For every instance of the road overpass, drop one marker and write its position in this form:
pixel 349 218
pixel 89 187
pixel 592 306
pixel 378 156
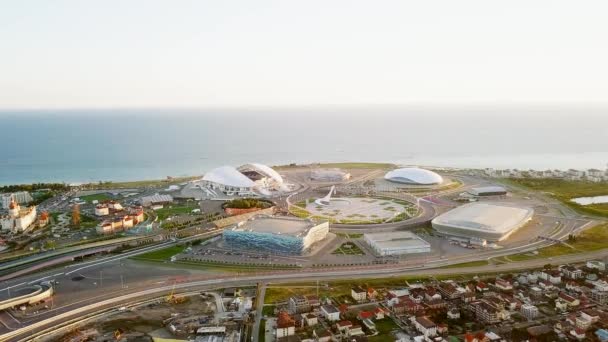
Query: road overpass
pixel 32 295
pixel 112 300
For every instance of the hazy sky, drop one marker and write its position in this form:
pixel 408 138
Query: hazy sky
pixel 145 53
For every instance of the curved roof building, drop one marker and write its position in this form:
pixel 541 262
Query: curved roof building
pixel 488 221
pixel 228 180
pixel 262 170
pixel 413 175
pixel 244 180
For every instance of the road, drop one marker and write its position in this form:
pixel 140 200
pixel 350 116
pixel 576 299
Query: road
pixel 117 299
pixel 259 307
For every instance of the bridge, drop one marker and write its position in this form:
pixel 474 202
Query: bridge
pixel 35 294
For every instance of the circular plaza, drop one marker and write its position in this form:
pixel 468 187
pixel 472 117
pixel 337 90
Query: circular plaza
pixel 356 210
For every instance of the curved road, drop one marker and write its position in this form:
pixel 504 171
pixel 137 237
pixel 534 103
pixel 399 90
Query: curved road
pixel 117 299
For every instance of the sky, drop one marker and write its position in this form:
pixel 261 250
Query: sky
pixel 229 53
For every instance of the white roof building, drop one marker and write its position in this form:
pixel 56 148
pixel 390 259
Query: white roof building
pixel 243 180
pixel 413 175
pixel 490 221
pixel 394 243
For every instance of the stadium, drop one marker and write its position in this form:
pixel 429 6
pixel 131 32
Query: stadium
pixel 396 243
pixel 329 175
pixel 413 176
pixel 482 221
pixel 280 235
pixel 246 180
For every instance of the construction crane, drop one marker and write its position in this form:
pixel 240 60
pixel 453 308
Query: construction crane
pixel 173 299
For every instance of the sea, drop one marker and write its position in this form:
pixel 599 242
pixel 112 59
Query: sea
pixel 76 146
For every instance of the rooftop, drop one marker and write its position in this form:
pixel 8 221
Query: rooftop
pixel 275 225
pixel 396 239
pixel 492 217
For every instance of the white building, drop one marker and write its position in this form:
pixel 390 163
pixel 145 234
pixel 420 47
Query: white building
pixel 358 293
pixel 330 312
pixel 395 243
pixel 21 197
pixel 413 176
pixel 425 326
pixel 529 311
pixel 156 199
pixel 18 220
pixel 246 180
pixel 488 221
pixel 102 210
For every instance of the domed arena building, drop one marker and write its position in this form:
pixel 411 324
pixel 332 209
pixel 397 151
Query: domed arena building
pixel 413 176
pixel 246 180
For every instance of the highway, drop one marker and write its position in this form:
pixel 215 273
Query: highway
pixel 118 299
pixel 112 281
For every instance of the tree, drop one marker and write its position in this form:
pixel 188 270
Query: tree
pixel 76 216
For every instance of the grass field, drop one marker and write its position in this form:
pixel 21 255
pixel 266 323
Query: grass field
pixel 96 197
pixel 348 248
pixel 592 239
pixel 565 191
pixel 176 209
pixel 350 235
pixel 346 165
pixel 262 332
pixel 142 183
pixel 359 165
pixel 468 264
pixel 162 255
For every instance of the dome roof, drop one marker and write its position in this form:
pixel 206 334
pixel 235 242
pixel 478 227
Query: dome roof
pixel 264 170
pixel 228 175
pixel 413 175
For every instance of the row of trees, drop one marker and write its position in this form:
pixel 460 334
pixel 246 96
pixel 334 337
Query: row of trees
pixel 247 203
pixel 34 187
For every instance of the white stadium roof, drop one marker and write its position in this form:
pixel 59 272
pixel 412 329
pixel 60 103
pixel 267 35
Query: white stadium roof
pixel 484 217
pixel 413 175
pixel 263 169
pixel 228 175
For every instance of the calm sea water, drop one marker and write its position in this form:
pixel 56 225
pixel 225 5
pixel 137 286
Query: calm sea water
pixel 89 145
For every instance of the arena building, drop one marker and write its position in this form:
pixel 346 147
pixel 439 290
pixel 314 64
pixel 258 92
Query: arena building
pixel 482 222
pixel 488 191
pixel 245 180
pixel 329 175
pixel 396 243
pixel 413 176
pixel 281 235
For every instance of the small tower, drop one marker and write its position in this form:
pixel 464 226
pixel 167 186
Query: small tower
pixel 14 209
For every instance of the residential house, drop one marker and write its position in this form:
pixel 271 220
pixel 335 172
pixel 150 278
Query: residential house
pixel 358 293
pixel 425 326
pixel 330 312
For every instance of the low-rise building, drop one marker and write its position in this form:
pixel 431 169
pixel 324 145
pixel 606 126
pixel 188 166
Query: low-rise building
pixel 18 220
pixel 330 312
pixel 425 326
pixel 358 293
pixel 286 325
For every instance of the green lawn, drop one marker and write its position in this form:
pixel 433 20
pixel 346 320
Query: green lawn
pixel 345 250
pixel 140 183
pixel 359 165
pixel 176 209
pixel 468 264
pixel 164 254
pixel 96 197
pixel 385 326
pixel 350 235
pixel 592 239
pixel 262 332
pixel 566 190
